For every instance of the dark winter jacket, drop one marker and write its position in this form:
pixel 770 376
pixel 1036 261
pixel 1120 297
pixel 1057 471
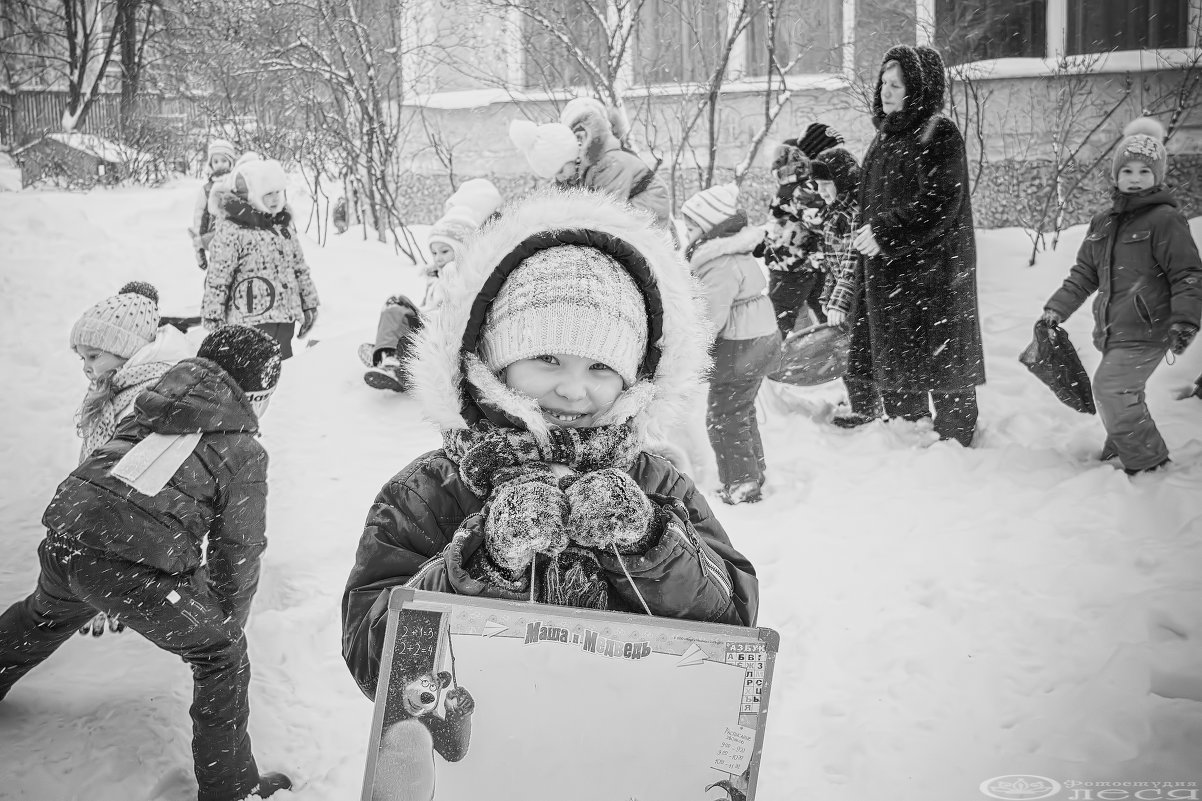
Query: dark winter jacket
pixel 920 292
pixel 734 282
pixel 691 571
pixel 257 271
pixel 220 490
pixel 1140 258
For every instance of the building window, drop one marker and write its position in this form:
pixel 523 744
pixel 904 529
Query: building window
pixel 679 41
pixel 1099 26
pixel 975 30
pixel 548 62
pixel 880 24
pixel 810 31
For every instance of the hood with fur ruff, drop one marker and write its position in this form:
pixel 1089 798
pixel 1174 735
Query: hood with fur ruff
pixel 453 386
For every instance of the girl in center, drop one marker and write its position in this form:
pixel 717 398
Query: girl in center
pixel 571 326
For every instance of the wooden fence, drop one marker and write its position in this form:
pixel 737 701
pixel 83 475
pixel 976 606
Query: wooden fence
pixel 28 115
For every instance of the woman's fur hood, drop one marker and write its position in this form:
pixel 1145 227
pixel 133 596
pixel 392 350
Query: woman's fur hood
pixel 925 78
pixel 448 383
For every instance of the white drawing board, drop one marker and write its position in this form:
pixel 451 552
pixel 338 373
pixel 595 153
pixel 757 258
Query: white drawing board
pixel 565 703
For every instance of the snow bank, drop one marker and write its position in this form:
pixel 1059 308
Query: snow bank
pixel 946 615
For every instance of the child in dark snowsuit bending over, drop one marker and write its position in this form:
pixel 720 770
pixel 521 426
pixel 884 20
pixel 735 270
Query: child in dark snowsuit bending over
pixel 128 541
pixel 1141 260
pixel 571 326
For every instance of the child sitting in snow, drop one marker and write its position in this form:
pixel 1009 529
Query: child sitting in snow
pixel 571 327
pixel 257 272
pixel 401 318
pixel 221 161
pixel 795 279
pixel 1141 259
pixel 128 540
pixel 124 350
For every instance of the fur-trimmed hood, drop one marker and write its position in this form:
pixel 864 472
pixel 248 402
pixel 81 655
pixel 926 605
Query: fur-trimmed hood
pixel 453 386
pixel 593 121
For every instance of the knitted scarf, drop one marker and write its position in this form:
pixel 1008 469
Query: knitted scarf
pixel 110 399
pixel 490 456
pixel 244 215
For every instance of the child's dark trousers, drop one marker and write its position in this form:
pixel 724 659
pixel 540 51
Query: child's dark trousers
pixel 171 611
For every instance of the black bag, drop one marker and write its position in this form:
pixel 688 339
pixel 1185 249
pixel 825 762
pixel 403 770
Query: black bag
pixel 1052 358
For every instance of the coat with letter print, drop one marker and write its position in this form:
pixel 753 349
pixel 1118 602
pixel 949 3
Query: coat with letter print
pixel 257 271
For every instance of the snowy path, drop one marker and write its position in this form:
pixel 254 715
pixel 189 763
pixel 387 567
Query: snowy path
pixel 946 615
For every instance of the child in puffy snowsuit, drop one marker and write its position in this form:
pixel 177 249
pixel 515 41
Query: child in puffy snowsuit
pixel 795 278
pixel 220 160
pixel 571 327
pixel 584 149
pixel 124 350
pixel 1140 258
pixel 257 272
pixel 137 553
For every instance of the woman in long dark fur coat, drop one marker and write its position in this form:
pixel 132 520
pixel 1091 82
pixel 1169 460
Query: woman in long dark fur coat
pixel 919 335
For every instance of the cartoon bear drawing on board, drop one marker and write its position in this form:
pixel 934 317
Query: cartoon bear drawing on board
pixel 405 768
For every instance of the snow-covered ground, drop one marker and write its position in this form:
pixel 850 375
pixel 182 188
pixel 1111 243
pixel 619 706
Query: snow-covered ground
pixel 945 615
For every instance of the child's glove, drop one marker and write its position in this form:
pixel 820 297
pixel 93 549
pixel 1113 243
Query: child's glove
pixel 212 324
pixel 96 625
pixel 525 518
pixel 607 508
pixel 308 323
pixel 458 703
pixel 1051 318
pixel 1180 335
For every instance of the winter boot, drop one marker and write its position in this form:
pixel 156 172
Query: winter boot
pixel 1153 469
pixel 743 492
pixel 386 375
pixel 367 354
pixel 270 782
pixel 844 417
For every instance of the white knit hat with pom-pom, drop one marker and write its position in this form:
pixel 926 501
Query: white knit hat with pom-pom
pixel 547 147
pixel 1143 140
pixel 122 324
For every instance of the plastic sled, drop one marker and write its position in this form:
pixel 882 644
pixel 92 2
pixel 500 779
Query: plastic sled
pixel 813 356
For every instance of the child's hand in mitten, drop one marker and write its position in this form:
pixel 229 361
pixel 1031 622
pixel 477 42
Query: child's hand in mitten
pixel 525 518
pixel 1180 335
pixel 607 508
